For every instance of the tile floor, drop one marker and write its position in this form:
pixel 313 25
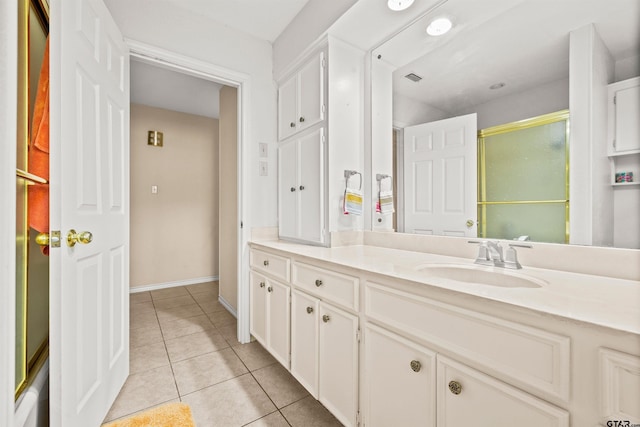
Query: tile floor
pixel 184 348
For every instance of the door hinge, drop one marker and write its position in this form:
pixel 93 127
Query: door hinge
pixel 324 63
pixel 614 143
pixel 615 99
pixel 241 224
pixel 323 108
pixel 358 419
pixel 358 335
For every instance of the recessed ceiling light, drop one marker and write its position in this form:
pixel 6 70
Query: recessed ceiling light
pixel 497 86
pixel 439 27
pixel 397 5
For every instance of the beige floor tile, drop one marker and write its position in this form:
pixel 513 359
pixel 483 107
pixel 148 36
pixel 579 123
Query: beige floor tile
pixel 106 420
pixel 206 296
pixel 188 326
pixel 144 336
pixel 272 420
pixel 221 318
pixel 254 356
pixel 142 307
pixel 147 357
pixel 309 412
pixel 232 403
pixel 280 385
pixel 174 302
pixel 203 287
pixel 144 390
pixel 196 344
pixel 177 291
pixel 177 313
pixel 206 370
pixel 230 333
pixel 138 297
pixel 211 306
pixel 143 320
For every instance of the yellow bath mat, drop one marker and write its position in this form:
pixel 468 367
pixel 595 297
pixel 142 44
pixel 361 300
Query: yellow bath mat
pixel 169 415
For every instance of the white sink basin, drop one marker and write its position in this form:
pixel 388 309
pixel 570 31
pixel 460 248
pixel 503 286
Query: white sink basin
pixel 492 276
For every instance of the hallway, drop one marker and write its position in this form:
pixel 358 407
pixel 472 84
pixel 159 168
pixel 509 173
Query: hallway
pixel 184 348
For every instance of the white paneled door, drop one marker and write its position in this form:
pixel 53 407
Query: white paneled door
pixel 440 175
pixel 89 341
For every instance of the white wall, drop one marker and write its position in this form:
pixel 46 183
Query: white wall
pixel 9 79
pixel 195 36
pixel 627 68
pixel 409 112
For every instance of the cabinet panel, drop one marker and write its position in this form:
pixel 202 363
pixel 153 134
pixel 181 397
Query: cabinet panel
pixel 311 93
pixel 527 356
pixel 330 285
pixel 310 186
pixel 287 115
pixel 338 363
pixel 288 189
pixel 627 123
pixel 257 302
pixel 304 340
pixel 620 386
pixel 278 300
pixel 273 265
pixel 485 401
pixel 400 381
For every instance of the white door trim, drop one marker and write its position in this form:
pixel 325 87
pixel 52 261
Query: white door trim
pixel 8 129
pixel 206 70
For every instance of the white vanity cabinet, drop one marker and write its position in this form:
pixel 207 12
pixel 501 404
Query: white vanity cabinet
pixel 269 303
pixel 301 187
pixel 324 340
pixel 301 97
pixel 399 380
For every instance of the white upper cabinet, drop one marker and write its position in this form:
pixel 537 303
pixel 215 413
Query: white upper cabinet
pixel 624 116
pixel 301 102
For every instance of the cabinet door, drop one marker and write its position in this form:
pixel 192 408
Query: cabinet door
pixel 288 189
pixel 278 297
pixel 627 125
pixel 468 397
pixel 311 92
pixel 400 381
pixel 287 114
pixel 304 340
pixel 338 363
pixel 257 303
pixel 310 187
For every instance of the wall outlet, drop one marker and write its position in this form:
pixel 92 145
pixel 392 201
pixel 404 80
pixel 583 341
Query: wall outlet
pixel 154 189
pixel 264 149
pixel 264 169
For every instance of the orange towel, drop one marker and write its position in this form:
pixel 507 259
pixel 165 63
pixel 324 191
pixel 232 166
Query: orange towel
pixel 38 210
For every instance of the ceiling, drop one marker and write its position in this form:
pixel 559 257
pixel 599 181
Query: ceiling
pixel 523 43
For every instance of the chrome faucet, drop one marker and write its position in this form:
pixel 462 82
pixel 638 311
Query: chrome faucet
pixel 491 253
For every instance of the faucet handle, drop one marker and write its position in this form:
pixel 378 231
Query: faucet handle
pixel 511 256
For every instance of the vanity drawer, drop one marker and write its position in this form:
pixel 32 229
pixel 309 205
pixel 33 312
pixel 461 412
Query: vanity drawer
pixel 328 285
pixel 529 357
pixel 274 265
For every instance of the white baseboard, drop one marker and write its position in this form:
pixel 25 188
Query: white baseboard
pixel 156 286
pixel 228 306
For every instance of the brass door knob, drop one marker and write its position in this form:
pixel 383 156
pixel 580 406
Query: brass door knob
pixel 309 310
pixel 49 239
pixel 74 237
pixel 455 387
pixel 415 365
pixel 318 283
pixel 326 318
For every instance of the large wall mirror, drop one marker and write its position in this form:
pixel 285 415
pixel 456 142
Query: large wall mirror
pixel 501 127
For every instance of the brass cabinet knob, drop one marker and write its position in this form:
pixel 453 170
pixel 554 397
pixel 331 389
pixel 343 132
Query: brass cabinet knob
pixel 301 119
pixel 293 189
pixel 415 365
pixel 74 237
pixel 326 318
pixel 455 387
pixel 269 289
pixel 292 124
pixel 266 263
pixel 262 284
pixel 469 223
pixel 309 310
pixel 301 187
pixel 318 283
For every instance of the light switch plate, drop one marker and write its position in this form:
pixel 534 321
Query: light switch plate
pixel 264 149
pixel 264 169
pixel 154 189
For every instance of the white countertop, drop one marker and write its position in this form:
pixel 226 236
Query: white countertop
pixel 598 300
